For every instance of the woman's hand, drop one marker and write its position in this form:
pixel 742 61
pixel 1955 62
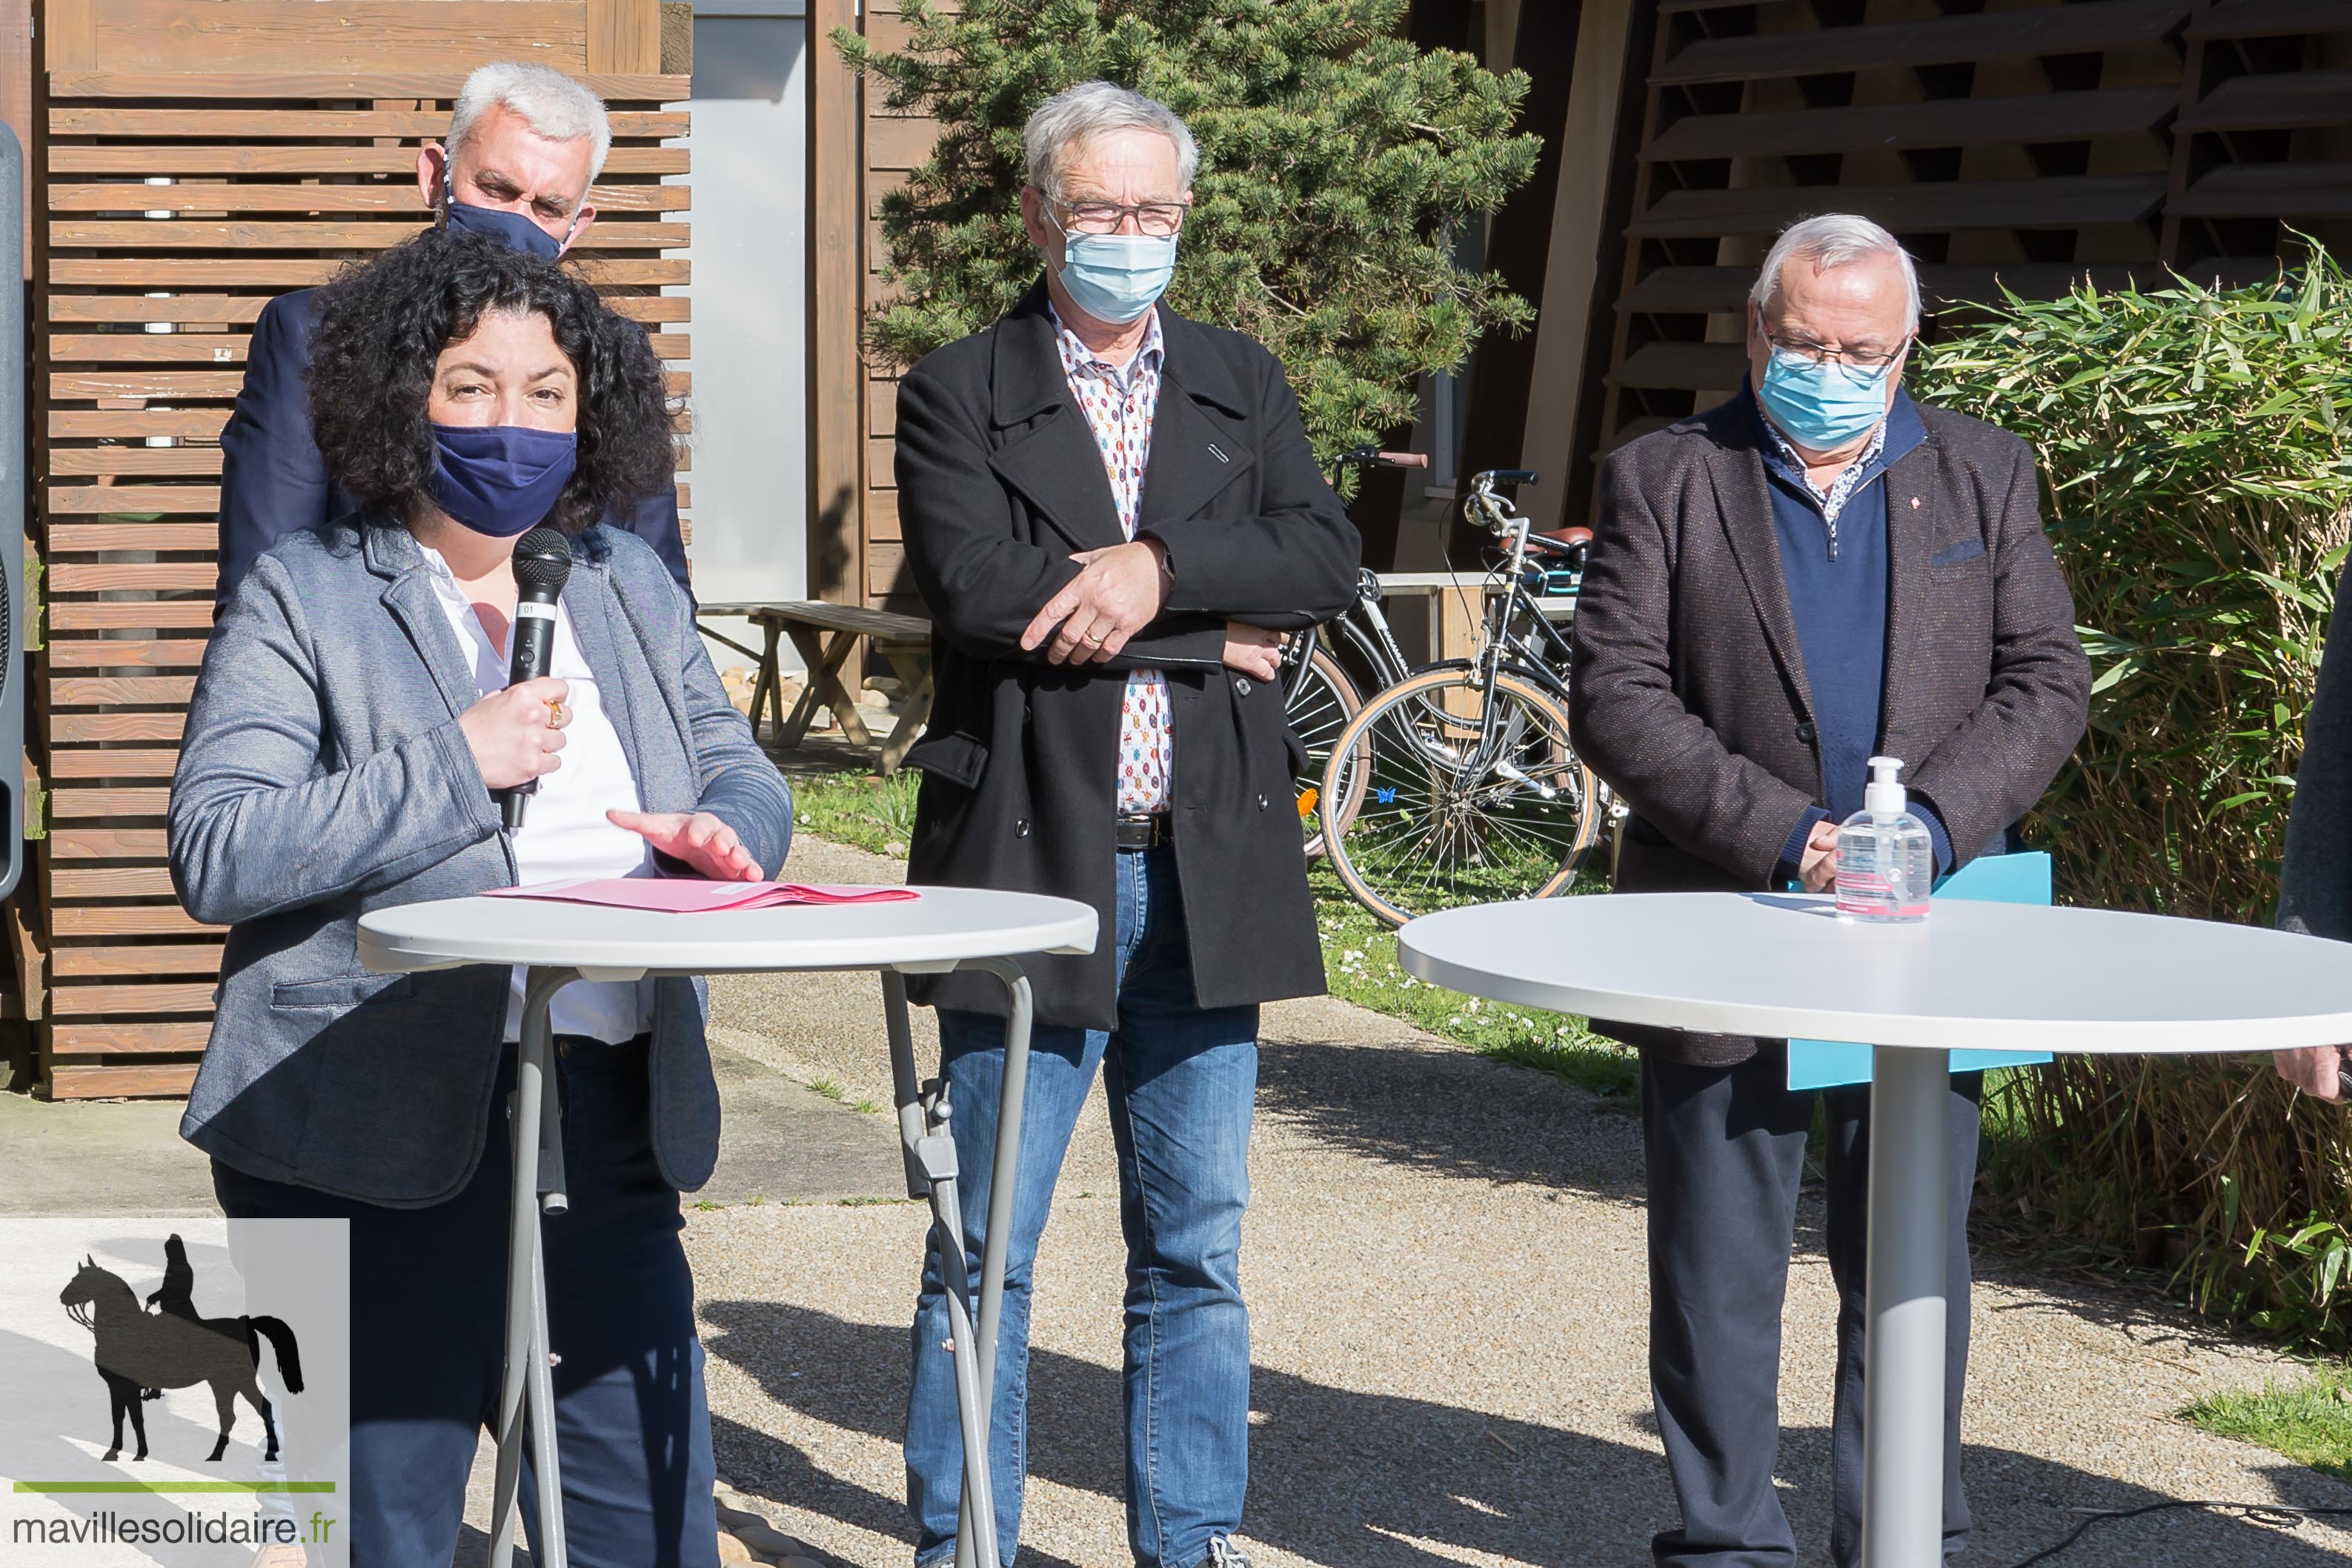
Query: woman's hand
pixel 2318 1071
pixel 701 840
pixel 516 734
pixel 1253 650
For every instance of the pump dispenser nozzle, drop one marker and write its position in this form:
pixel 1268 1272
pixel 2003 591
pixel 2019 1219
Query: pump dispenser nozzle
pixel 1884 795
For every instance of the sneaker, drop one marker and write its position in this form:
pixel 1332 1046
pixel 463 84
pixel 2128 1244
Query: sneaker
pixel 1223 1553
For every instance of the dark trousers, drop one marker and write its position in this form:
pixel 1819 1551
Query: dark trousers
pixel 1725 1151
pixel 429 1308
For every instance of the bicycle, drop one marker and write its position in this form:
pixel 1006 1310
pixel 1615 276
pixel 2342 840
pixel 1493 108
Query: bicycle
pixel 1320 694
pixel 1460 781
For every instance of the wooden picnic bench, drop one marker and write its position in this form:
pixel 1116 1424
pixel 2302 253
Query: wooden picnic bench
pixel 904 640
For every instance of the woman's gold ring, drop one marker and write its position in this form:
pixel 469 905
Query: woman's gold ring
pixel 555 714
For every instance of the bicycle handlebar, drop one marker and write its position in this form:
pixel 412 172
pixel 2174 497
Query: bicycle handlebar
pixel 1373 457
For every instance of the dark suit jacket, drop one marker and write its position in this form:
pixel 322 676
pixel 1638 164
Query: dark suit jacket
pixel 1689 692
pixel 2315 879
pixel 1000 483
pixel 273 481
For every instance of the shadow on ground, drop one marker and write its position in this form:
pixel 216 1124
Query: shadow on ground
pixel 1367 1481
pixel 1449 1111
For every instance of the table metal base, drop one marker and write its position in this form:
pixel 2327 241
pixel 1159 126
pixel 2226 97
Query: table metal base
pixel 926 1136
pixel 928 1143
pixel 1903 1377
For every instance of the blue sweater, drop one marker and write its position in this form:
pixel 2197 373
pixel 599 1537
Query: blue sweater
pixel 1837 584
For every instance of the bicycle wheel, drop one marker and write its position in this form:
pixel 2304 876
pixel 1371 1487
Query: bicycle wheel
pixel 1447 817
pixel 1320 707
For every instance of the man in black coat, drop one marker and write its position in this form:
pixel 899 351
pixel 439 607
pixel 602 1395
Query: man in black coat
pixel 1780 587
pixel 1113 514
pixel 525 143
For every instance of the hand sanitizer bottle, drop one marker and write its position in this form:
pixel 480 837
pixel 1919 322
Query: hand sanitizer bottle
pixel 1885 860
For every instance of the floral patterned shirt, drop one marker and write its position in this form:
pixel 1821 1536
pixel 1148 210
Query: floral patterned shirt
pixel 1119 402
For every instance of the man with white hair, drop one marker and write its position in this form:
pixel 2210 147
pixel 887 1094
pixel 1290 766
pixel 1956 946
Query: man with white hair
pixel 525 145
pixel 1113 514
pixel 1815 573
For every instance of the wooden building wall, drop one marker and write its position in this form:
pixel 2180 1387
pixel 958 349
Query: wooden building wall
pixel 859 152
pixel 192 158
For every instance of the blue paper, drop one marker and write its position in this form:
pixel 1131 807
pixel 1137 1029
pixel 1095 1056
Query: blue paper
pixel 1990 879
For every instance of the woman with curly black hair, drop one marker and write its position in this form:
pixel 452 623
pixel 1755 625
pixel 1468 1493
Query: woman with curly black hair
pixel 350 724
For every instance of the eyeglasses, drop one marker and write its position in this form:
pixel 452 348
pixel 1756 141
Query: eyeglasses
pixel 1816 354
pixel 1158 219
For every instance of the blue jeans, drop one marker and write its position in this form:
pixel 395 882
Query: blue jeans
pixel 1182 1082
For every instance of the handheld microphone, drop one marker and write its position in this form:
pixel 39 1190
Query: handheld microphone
pixel 542 561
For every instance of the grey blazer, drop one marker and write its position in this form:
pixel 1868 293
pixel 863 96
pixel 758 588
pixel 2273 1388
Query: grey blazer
pixel 324 774
pixel 1688 691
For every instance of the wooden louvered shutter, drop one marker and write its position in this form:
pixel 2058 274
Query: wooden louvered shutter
pixel 2024 145
pixel 2265 140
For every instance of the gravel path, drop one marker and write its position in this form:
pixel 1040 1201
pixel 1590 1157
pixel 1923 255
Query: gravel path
pixel 1444 1264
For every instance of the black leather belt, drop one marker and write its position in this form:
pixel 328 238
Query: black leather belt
pixel 1141 832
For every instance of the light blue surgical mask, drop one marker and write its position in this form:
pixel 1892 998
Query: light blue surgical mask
pixel 1822 407
pixel 1115 278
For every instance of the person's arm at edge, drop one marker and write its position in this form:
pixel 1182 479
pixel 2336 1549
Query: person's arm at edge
pixel 655 520
pixel 273 480
pixel 2315 876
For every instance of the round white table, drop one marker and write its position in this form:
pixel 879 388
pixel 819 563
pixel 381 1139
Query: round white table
pixel 2005 976
pixel 941 930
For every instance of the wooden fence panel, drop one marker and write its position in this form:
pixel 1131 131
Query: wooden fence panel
pixel 169 205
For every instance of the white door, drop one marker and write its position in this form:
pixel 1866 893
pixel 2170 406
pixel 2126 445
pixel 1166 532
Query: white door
pixel 749 175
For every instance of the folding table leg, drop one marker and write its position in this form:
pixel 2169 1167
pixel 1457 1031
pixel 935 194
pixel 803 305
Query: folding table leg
pixel 1903 1373
pixel 537 1132
pixel 925 1132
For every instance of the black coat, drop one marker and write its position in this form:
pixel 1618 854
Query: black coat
pixel 1688 693
pixel 1000 483
pixel 273 480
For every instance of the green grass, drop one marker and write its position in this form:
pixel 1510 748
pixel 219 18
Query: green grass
pixel 1360 964
pixel 2309 1422
pixel 1359 952
pixel 861 810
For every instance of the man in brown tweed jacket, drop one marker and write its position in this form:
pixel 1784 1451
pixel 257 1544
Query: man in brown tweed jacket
pixel 1814 573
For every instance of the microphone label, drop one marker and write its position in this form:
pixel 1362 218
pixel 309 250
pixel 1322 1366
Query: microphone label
pixel 529 610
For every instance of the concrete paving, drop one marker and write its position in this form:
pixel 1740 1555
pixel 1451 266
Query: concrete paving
pixel 780 1142
pixel 1445 1260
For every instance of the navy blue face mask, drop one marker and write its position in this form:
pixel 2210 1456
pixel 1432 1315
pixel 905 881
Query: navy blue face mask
pixel 513 230
pixel 500 480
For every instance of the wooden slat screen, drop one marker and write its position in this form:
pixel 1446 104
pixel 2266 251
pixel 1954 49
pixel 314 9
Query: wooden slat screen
pixel 2028 146
pixel 169 209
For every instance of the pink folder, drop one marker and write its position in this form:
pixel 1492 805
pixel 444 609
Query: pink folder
pixel 682 895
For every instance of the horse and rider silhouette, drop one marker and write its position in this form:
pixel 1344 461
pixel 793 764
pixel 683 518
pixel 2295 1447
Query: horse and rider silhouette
pixel 175 1347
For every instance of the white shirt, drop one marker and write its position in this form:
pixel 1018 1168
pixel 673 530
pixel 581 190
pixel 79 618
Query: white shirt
pixel 563 832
